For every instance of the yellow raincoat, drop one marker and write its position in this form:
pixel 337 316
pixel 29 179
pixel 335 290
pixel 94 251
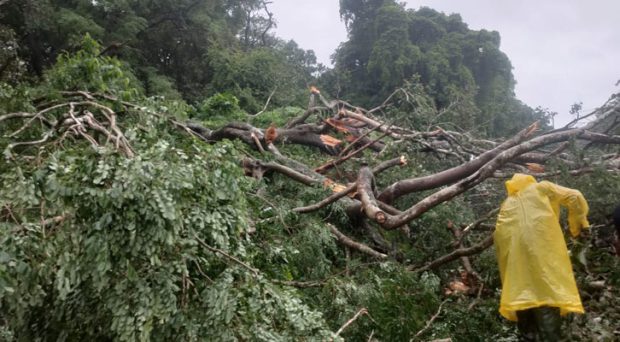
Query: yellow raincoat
pixel 534 265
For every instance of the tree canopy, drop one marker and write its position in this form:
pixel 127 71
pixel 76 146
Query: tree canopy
pixel 462 69
pixel 189 49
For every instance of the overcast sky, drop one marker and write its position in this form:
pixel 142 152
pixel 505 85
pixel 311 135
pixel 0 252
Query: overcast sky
pixel 562 51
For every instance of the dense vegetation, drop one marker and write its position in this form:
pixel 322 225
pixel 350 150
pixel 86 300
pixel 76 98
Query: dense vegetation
pixel 176 49
pixel 126 212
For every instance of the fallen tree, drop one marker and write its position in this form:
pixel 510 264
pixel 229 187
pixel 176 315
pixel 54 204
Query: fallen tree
pixel 363 165
pixel 345 134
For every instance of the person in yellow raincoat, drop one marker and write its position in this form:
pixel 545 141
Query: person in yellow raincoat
pixel 538 284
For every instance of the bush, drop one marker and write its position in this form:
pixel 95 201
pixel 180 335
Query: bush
pixel 220 104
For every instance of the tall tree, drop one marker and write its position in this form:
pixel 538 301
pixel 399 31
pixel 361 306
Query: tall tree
pixel 388 45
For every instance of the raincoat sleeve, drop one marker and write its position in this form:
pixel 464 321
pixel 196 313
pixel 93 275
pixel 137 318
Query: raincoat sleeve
pixel 573 200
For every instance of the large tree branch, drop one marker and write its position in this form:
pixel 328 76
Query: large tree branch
pixel 351 188
pixel 394 221
pixel 369 203
pixel 307 135
pixel 454 174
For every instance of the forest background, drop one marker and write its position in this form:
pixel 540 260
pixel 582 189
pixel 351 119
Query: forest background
pixel 157 160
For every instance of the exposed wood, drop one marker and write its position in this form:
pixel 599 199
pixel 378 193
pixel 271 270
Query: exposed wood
pixel 369 203
pixel 328 140
pixel 335 162
pixel 352 138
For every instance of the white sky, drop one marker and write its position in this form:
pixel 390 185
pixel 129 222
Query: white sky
pixel 562 51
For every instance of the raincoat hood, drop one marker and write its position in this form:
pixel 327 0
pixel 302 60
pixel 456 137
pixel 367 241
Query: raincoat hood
pixel 519 182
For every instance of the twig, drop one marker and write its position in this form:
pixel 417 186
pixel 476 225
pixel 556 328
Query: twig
pixel 201 272
pixel 331 199
pixel 471 306
pixel 322 282
pixel 577 172
pixel 34 142
pixel 386 101
pixel 400 161
pixel 475 249
pixel 258 168
pixel 300 284
pixel 478 222
pixel 10 212
pixel 16 115
pixel 374 123
pixel 301 119
pixel 358 139
pixel 351 188
pixel 226 255
pixel 362 311
pixel 345 240
pixel 76 124
pixel 341 160
pixel 274 208
pixel 53 220
pixel 581 118
pixel 403 187
pixel 266 104
pixel 430 321
pixel 257 142
pixel 37 115
pixel 458 239
pixel 482 174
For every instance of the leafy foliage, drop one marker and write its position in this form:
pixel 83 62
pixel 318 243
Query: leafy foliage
pixel 87 70
pixel 219 104
pixel 96 245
